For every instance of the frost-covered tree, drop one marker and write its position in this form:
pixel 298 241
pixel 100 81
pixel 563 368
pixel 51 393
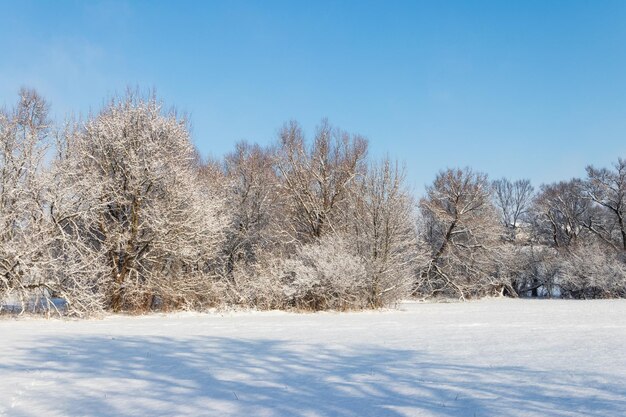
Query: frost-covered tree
pixel 384 231
pixel 607 188
pixel 316 178
pixel 24 239
pixel 590 271
pixel 325 274
pixel 461 231
pixel 256 204
pixel 513 200
pixel 133 214
pixel 572 217
pixel 560 211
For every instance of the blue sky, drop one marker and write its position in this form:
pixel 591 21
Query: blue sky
pixel 523 89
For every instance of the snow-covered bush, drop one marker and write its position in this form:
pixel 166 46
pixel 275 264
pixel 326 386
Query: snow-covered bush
pixel 325 275
pixel 592 272
pixel 256 285
pixel 321 275
pixel 533 270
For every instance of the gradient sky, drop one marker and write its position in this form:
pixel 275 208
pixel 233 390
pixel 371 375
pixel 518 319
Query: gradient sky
pixel 524 89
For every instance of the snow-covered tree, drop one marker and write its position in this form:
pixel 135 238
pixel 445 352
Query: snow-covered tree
pixel 560 212
pixel 24 240
pixel 461 231
pixel 132 213
pixel 590 271
pixel 384 232
pixel 256 204
pixel 325 274
pixel 316 179
pixel 513 200
pixel 607 189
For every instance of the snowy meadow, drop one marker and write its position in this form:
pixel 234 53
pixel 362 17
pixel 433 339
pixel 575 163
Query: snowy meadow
pixel 329 209
pixel 494 357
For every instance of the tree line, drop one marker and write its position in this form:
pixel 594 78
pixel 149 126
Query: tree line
pixel 119 213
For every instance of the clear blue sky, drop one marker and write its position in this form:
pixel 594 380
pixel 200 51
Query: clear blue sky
pixel 532 89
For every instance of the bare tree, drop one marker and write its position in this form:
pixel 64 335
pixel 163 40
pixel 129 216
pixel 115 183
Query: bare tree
pixel 255 238
pixel 256 202
pixel 23 239
pixel 560 213
pixel 384 232
pixel 607 188
pixel 461 231
pixel 533 269
pixel 567 218
pixel 513 200
pixel 317 178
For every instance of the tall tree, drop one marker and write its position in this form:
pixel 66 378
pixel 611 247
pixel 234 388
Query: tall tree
pixel 461 231
pixel 255 201
pixel 384 231
pixel 23 239
pixel 317 177
pixel 607 188
pixel 134 204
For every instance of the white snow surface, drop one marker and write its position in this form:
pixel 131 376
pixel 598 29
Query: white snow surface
pixel 495 357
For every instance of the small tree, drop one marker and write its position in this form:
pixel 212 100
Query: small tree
pixel 325 274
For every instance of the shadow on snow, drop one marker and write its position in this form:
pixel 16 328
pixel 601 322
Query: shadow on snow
pixel 152 376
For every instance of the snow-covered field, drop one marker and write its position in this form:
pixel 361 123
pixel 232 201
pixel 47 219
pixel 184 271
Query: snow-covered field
pixel 489 358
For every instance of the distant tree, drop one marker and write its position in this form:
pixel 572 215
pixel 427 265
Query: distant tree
pixel 569 217
pixel 560 211
pixel 534 269
pixel 607 188
pixel 590 271
pixel 513 200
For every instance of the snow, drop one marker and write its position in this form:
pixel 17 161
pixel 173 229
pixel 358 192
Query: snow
pixel 495 357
